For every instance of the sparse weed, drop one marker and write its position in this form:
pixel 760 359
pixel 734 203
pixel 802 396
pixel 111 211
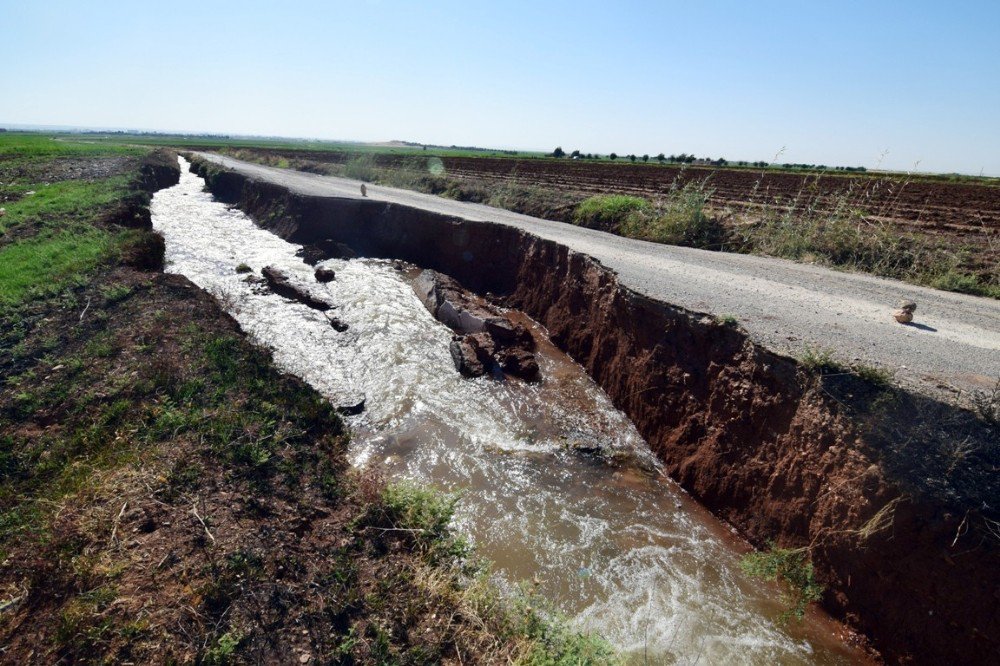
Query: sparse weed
pixel 792 567
pixel 361 167
pixel 116 293
pixel 987 404
pixel 224 650
pixel 821 361
pixel 844 230
pixel 881 377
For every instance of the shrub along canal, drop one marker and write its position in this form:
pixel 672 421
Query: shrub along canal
pixel 557 487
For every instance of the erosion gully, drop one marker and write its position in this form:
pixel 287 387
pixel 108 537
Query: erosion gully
pixel 611 542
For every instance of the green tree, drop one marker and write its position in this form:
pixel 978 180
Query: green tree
pixel 558 152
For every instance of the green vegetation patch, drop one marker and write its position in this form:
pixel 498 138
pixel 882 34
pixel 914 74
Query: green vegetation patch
pixel 46 265
pixel 679 218
pixel 792 567
pixel 16 145
pixel 609 211
pixel 63 204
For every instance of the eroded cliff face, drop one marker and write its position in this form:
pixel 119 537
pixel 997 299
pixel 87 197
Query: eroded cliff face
pixel 897 523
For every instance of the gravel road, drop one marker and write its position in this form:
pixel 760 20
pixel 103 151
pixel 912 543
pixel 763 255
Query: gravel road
pixel 952 346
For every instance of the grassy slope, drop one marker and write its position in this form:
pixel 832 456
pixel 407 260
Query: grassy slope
pixel 167 495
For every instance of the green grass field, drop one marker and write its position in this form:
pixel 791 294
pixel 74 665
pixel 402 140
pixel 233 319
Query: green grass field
pixel 30 145
pixel 49 236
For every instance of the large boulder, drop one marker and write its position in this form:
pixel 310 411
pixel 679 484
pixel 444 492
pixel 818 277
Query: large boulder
pixel 509 334
pixel 335 250
pixel 487 339
pixel 311 254
pixel 451 304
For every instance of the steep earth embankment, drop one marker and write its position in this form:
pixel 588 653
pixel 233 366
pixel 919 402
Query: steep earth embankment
pixel 890 491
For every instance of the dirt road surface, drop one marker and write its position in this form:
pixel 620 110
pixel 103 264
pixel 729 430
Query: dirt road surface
pixel 952 346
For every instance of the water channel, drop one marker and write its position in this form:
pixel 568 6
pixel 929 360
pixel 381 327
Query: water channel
pixel 617 546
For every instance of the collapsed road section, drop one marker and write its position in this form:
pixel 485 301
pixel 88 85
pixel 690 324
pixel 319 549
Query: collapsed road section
pixel 889 491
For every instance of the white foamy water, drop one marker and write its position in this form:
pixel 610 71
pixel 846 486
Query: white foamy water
pixel 618 548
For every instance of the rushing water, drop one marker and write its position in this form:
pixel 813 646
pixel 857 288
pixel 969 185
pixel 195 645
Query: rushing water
pixel 618 548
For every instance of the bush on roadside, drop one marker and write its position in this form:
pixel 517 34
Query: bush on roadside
pixel 609 212
pixel 678 219
pixel 361 167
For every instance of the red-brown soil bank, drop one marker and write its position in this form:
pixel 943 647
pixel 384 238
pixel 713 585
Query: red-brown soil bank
pixel 892 492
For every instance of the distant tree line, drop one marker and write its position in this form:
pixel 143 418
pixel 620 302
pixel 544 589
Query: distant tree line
pixel 684 158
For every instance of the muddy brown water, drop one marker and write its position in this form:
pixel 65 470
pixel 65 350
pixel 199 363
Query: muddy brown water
pixel 614 544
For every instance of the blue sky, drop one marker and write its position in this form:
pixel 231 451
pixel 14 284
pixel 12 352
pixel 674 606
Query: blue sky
pixel 832 82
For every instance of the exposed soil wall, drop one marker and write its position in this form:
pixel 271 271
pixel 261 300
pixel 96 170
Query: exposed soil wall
pixel 897 518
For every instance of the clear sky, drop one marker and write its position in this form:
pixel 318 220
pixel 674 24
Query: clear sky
pixel 831 82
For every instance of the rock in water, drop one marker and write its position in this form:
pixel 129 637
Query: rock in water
pixel 325 275
pixel 323 249
pixel 487 339
pixel 582 442
pixel 334 250
pixel 519 362
pixel 352 405
pixel 508 334
pixel 467 362
pixel 282 285
pixel 311 254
